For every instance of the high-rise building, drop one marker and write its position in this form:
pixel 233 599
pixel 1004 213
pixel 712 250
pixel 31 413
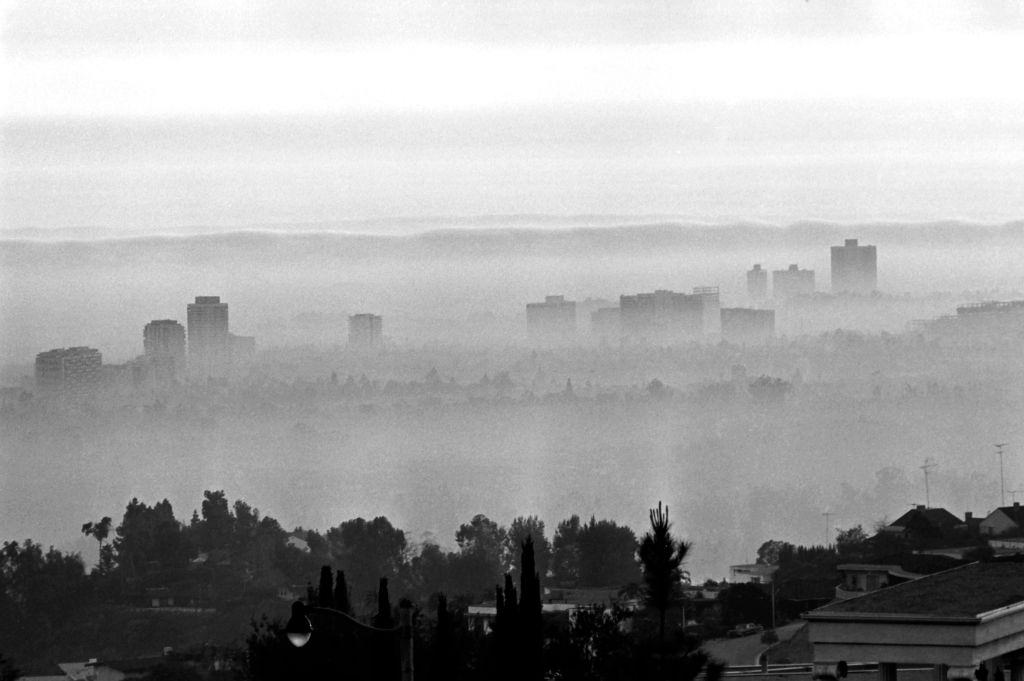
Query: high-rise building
pixel 711 306
pixel 757 283
pixel 365 332
pixel 854 268
pixel 73 371
pixel 792 282
pixel 552 320
pixel 163 341
pixel 747 326
pixel 209 343
pixel 662 316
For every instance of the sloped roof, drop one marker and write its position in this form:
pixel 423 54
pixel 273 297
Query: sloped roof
pixel 966 591
pixel 1014 513
pixel 937 517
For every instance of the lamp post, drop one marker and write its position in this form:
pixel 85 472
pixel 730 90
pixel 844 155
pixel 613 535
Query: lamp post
pixel 300 629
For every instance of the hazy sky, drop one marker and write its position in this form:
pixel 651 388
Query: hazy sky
pixel 777 110
pixel 160 57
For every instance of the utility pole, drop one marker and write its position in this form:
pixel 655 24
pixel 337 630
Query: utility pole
pixel 929 464
pixel 1002 484
pixel 828 527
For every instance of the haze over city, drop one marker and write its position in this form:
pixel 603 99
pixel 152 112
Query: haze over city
pixel 761 262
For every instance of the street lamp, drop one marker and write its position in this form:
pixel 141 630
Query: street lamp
pixel 300 630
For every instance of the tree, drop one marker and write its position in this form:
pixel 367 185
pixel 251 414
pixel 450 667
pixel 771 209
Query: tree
pixel 482 556
pixel 661 556
pixel 518 532
pixel 383 618
pixel 100 531
pixel 852 544
pixel 341 598
pixel 531 623
pixel 596 553
pixel 769 552
pixel 367 550
pixel 325 593
pixel 565 553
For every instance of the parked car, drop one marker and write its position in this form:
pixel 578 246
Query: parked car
pixel 746 629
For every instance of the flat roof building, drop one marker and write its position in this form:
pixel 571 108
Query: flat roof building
pixel 209 345
pixel 163 342
pixel 757 283
pixel 552 320
pixel 854 268
pixel 365 331
pixel 792 282
pixel 663 316
pixel 73 371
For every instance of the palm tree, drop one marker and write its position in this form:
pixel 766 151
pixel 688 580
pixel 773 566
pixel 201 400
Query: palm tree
pixel 661 558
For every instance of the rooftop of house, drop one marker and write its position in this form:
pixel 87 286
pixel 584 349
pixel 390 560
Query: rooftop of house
pixel 966 591
pixel 1014 513
pixel 938 517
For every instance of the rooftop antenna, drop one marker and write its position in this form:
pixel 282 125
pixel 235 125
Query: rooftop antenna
pixel 929 464
pixel 1013 494
pixel 828 527
pixel 1002 484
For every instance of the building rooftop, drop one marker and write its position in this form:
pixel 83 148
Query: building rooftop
pixel 967 591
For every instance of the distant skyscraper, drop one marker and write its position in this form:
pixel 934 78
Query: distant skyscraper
pixel 854 268
pixel 664 316
pixel 209 344
pixel 68 370
pixel 552 320
pixel 365 332
pixel 757 283
pixel 163 341
pixel 711 306
pixel 792 282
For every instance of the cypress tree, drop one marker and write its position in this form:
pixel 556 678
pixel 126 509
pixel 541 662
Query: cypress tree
pixel 531 622
pixel 326 593
pixel 383 618
pixel 341 599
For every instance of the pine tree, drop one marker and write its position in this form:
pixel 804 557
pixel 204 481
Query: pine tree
pixel 326 591
pixel 531 623
pixel 661 556
pixel 383 618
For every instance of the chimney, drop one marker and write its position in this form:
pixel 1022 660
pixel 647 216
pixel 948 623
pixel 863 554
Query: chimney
pixel 920 507
pixel 851 242
pixel 968 517
pixel 1016 504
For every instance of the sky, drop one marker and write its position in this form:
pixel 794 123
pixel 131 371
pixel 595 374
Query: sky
pixel 166 57
pixel 882 78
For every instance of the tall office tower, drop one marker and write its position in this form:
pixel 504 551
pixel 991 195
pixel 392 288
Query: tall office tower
pixel 209 344
pixel 792 282
pixel 553 320
pixel 757 283
pixel 745 326
pixel 163 341
pixel 73 371
pixel 711 305
pixel 663 316
pixel 854 268
pixel 365 332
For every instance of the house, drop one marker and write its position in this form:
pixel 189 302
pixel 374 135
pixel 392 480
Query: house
pixel 859 578
pixel 755 573
pixel 922 522
pixel 958 621
pixel 1005 520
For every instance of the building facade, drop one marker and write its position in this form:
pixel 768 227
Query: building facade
pixel 792 282
pixel 662 316
pixel 757 283
pixel 163 342
pixel 365 332
pixel 209 343
pixel 552 320
pixel 854 268
pixel 70 371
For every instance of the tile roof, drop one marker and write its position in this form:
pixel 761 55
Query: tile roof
pixel 965 591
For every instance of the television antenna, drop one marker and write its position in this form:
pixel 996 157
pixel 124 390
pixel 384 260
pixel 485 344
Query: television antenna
pixel 929 464
pixel 1002 484
pixel 828 527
